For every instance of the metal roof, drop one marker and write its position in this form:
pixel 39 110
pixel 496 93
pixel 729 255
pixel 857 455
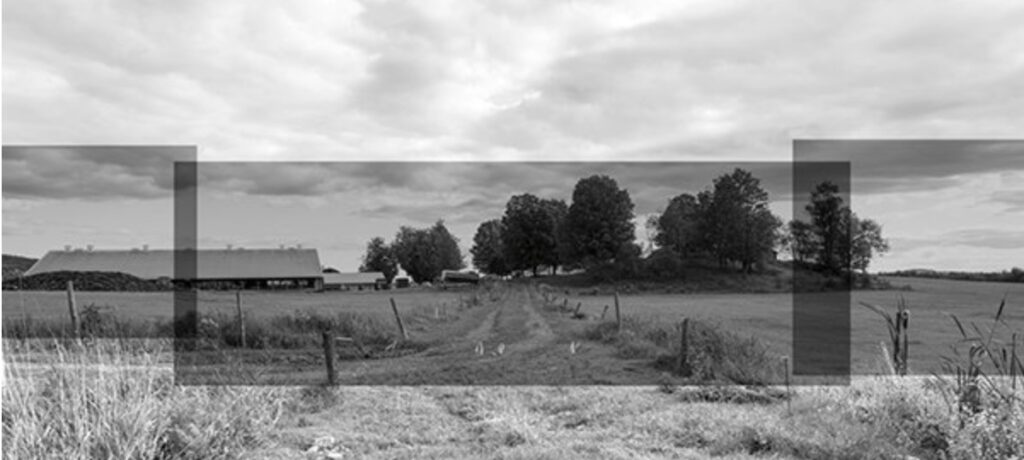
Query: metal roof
pixel 352 278
pixel 211 263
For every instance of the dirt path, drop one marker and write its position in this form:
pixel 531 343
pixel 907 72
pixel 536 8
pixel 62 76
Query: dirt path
pixel 514 339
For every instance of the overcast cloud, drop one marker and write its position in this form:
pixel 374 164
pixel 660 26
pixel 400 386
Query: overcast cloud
pixel 715 81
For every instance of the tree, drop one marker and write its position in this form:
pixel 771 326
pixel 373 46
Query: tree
pixel 447 246
pixel 599 222
pixel 530 232
pixel 677 229
pixel 735 220
pixel 425 253
pixel 380 257
pixel 866 241
pixel 556 210
pixel 489 249
pixel 839 240
pixel 827 220
pixel 801 241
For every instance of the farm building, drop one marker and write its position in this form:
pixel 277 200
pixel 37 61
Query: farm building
pixel 235 268
pixel 355 281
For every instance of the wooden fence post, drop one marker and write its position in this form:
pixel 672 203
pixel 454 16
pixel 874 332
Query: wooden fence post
pixel 897 345
pixel 241 318
pixel 618 313
pixel 329 356
pixel 789 394
pixel 683 365
pixel 76 326
pixel 906 342
pixel 398 319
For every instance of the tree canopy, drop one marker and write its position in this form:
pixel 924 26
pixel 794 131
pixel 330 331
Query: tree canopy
pixel 379 257
pixel 835 238
pixel 599 223
pixel 425 253
pixel 489 250
pixel 530 232
pixel 736 223
pixel 678 228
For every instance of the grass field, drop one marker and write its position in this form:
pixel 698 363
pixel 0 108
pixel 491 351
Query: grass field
pixel 769 316
pixel 160 305
pixel 765 316
pixel 105 400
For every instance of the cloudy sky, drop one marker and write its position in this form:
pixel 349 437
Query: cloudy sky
pixel 712 81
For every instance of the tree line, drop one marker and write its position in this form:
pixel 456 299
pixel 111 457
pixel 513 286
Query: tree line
pixel 1014 275
pixel 729 223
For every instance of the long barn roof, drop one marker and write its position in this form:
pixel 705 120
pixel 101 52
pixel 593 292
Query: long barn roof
pixel 211 263
pixel 353 278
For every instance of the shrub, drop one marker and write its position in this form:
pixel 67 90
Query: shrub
pixel 663 265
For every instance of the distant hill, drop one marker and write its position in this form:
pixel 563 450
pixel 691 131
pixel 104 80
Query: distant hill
pixel 1015 275
pixel 16 265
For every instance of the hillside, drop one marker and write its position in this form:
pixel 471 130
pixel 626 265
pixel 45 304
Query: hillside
pixel 16 265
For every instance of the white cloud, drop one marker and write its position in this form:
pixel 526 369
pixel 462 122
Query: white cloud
pixel 537 80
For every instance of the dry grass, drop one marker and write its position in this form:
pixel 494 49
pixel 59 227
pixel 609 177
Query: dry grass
pixel 98 402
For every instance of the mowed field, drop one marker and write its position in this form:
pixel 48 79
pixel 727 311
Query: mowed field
pixel 765 316
pixel 160 305
pixel 769 317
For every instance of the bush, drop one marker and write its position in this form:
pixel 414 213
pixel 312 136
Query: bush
pixel 663 265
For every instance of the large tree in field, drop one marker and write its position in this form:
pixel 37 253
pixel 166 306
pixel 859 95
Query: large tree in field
pixel 736 221
pixel 489 250
pixel 866 242
pixel 599 224
pixel 828 219
pixel 380 257
pixel 530 232
pixel 678 228
pixel 839 240
pixel 425 253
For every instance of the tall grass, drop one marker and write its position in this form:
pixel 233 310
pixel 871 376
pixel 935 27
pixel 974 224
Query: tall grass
pixel 218 329
pixel 714 354
pixel 983 378
pixel 98 402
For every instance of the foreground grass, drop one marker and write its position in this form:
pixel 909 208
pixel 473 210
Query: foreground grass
pixel 104 401
pixel 99 402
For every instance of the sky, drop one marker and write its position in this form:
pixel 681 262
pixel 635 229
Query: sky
pixel 303 83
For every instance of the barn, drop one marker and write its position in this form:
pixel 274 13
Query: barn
pixel 216 268
pixel 355 281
